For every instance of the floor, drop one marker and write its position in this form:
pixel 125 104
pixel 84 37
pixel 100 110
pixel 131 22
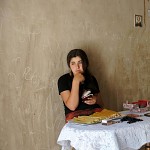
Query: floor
pixel 144 148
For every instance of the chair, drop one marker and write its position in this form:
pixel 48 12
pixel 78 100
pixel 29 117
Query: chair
pixel 147 146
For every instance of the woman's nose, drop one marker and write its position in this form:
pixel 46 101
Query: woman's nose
pixel 77 66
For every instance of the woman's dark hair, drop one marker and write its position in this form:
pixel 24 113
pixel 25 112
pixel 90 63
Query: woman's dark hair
pixel 81 54
pixel 85 64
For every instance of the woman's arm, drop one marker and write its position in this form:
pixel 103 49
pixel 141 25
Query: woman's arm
pixel 71 98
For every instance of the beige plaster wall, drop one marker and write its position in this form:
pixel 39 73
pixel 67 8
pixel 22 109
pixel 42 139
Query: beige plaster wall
pixel 35 37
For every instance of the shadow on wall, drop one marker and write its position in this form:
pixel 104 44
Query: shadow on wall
pixel 98 68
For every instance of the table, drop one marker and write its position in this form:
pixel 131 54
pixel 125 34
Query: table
pixel 119 136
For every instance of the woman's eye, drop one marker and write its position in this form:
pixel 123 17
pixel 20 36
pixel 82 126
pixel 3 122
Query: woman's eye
pixel 80 62
pixel 72 63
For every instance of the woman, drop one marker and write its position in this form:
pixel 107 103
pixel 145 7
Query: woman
pixel 73 85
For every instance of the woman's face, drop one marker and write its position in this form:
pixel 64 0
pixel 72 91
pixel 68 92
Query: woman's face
pixel 76 65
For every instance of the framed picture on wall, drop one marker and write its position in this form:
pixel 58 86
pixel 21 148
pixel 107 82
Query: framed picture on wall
pixel 138 21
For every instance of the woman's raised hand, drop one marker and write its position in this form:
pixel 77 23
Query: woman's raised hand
pixel 79 77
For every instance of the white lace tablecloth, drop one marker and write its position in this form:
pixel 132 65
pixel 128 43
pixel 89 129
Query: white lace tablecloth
pixel 120 136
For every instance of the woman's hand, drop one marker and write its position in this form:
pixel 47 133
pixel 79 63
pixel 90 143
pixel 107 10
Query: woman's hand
pixel 79 77
pixel 90 100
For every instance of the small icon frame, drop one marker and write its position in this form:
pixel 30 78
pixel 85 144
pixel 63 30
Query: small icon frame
pixel 138 21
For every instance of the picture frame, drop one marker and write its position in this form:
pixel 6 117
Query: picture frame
pixel 138 22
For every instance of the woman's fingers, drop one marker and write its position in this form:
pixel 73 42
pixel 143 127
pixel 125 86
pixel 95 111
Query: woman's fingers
pixel 90 101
